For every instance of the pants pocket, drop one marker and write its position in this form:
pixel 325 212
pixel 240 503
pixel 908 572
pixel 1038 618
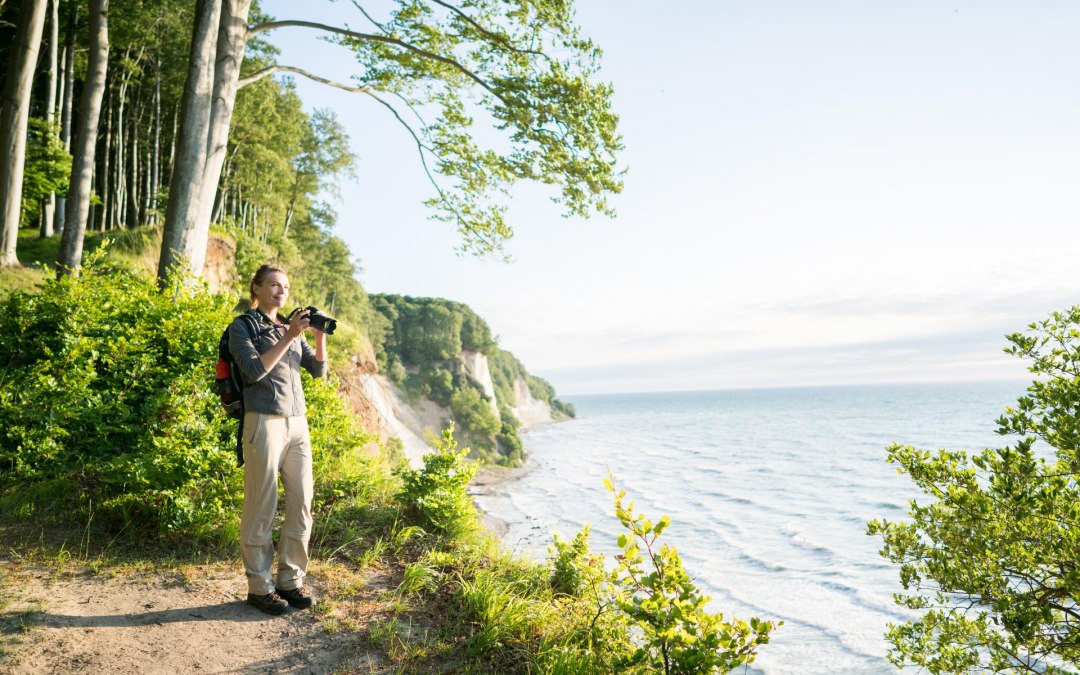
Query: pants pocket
pixel 253 431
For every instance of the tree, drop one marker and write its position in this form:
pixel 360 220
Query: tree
pixel 49 207
pixel 82 171
pixel 67 97
pixel 267 133
pixel 993 560
pixel 524 66
pixel 47 167
pixel 14 117
pixel 324 153
pixel 217 49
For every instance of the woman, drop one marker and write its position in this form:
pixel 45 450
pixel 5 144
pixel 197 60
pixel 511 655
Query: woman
pixel 269 352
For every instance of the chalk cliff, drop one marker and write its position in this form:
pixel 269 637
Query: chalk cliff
pixel 528 410
pixel 476 365
pixel 386 410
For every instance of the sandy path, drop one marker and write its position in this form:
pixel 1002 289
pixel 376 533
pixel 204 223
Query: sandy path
pixel 160 624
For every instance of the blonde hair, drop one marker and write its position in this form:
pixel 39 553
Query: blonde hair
pixel 260 278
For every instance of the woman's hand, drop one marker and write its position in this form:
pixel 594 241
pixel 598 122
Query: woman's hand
pixel 298 325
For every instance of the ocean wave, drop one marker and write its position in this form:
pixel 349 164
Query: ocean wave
pixel 854 640
pixel 800 539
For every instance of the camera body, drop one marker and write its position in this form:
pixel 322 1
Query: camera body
pixel 320 321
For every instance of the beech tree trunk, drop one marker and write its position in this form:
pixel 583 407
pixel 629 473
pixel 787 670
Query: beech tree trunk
pixel 103 173
pixel 217 49
pixel 67 86
pixel 82 170
pixel 154 173
pixel 131 209
pixel 49 206
pixel 13 122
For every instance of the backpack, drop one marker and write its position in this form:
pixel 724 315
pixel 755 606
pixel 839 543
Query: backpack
pixel 230 384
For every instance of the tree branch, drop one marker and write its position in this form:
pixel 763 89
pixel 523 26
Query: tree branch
pixel 421 147
pixel 501 39
pixel 368 16
pixel 270 70
pixel 271 25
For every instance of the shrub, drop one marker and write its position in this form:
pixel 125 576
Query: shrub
pixel 653 590
pixel 435 493
pixel 107 405
pixel 438 385
pixel 574 570
pixel 106 398
pixel 472 411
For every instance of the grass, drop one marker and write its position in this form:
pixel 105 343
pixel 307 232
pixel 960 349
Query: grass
pixel 129 248
pixel 427 601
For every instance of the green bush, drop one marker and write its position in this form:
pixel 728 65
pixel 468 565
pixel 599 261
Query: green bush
pixel 47 167
pixel 107 406
pixel 674 632
pixel 106 399
pixel 574 570
pixel 988 555
pixel 435 493
pixel 511 448
pixel 472 411
pixel 576 614
pixel 438 385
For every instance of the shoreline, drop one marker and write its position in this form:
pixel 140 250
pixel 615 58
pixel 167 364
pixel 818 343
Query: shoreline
pixel 488 482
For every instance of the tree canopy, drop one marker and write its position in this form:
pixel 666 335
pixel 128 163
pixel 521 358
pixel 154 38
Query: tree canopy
pixel 992 560
pixel 526 68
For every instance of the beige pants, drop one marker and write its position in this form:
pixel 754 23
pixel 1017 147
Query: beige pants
pixel 275 444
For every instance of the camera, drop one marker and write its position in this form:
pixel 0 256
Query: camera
pixel 317 319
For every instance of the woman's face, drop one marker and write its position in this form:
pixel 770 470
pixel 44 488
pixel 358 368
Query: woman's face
pixel 273 292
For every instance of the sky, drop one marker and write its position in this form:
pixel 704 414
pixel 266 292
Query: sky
pixel 817 193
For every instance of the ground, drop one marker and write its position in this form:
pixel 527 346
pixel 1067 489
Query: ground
pixel 187 619
pixel 65 609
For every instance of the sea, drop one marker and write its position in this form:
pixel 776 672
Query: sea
pixel 769 492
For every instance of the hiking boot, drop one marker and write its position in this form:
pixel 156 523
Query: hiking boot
pixel 271 603
pixel 297 597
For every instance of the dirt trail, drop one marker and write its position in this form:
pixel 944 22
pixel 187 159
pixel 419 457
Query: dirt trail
pixel 160 623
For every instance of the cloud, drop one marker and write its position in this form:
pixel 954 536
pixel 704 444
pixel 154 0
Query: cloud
pixel 858 338
pixel 973 355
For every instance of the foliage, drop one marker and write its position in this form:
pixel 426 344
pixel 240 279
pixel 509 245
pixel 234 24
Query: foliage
pixel 324 155
pixel 658 597
pixel 990 561
pixel 422 330
pixel 523 66
pixel 105 400
pixel 334 430
pixel 473 412
pixel 47 168
pixel 107 409
pixel 435 493
pixel 433 382
pixel 509 440
pixel 428 335
pixel 506 370
pixel 574 569
pixel 571 614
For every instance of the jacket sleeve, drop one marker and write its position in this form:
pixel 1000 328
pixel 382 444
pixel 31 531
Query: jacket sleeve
pixel 309 362
pixel 244 351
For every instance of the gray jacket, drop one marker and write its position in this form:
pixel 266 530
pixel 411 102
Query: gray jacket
pixel 277 391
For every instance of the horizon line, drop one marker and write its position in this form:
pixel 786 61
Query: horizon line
pixel 838 385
